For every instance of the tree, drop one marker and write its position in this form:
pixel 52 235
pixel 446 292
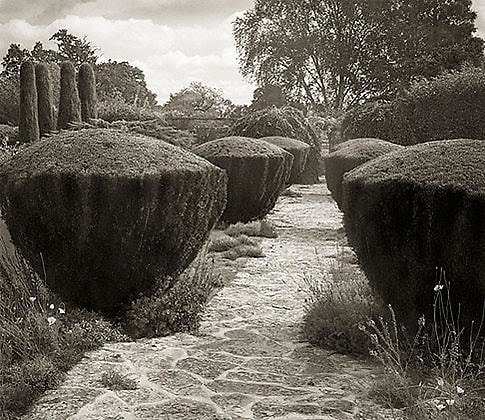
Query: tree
pixel 332 54
pixel 267 96
pixel 13 59
pixel 74 49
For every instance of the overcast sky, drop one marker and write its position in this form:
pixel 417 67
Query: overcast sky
pixel 174 42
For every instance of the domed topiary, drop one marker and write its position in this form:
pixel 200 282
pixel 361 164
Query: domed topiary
pixel 69 103
pixel 257 174
pixel 411 211
pixel 298 149
pixel 284 122
pixel 45 99
pixel 28 113
pixel 109 212
pixel 87 92
pixel 347 156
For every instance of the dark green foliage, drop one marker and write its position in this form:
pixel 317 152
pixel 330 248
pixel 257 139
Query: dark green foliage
pixel 45 99
pixel 86 83
pixel 446 107
pixel 28 117
pixel 8 134
pixel 284 122
pixel 69 103
pixel 348 156
pixel 298 149
pixel 411 211
pixel 110 212
pixel 257 174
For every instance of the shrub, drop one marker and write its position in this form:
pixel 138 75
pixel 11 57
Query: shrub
pixel 257 174
pixel 9 100
pixel 28 116
pixel 416 209
pixel 45 99
pixel 298 149
pixel 109 212
pixel 69 103
pixel 8 135
pixel 87 92
pixel 284 122
pixel 349 155
pixel 118 109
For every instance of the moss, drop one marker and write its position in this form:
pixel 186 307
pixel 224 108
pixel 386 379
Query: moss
pixel 109 211
pixel 28 114
pixel 412 211
pixel 348 156
pixel 257 174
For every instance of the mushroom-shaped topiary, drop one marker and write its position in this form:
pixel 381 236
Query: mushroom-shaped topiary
pixel 412 211
pixel 257 173
pixel 298 149
pixel 348 155
pixel 106 213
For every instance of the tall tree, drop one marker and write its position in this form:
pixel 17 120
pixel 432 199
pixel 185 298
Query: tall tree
pixel 332 54
pixel 74 49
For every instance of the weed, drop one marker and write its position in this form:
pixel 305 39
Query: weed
pixel 116 381
pixel 257 228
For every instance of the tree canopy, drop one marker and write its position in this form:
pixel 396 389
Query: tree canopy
pixel 332 54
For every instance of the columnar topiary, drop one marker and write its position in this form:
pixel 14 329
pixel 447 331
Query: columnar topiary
pixel 298 149
pixel 45 98
pixel 69 103
pixel 28 113
pixel 285 122
pixel 347 156
pixel 257 174
pixel 87 92
pixel 109 212
pixel 410 212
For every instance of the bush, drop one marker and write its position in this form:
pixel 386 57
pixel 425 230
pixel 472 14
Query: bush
pixel 9 100
pixel 28 114
pixel 416 209
pixel 447 107
pixel 348 156
pixel 109 212
pixel 87 92
pixel 284 122
pixel 69 103
pixel 45 99
pixel 298 149
pixel 257 174
pixel 118 109
pixel 8 134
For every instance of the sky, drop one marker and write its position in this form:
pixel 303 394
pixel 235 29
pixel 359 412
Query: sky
pixel 174 42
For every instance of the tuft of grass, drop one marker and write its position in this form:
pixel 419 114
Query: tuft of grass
pixel 251 251
pixel 116 381
pixel 260 228
pixel 225 242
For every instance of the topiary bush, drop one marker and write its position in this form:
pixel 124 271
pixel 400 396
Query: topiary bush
pixel 298 149
pixel 69 103
pixel 28 114
pixel 86 83
pixel 347 156
pixel 284 122
pixel 106 213
pixel 412 211
pixel 45 99
pixel 257 174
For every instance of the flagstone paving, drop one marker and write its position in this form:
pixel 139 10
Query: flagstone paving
pixel 248 360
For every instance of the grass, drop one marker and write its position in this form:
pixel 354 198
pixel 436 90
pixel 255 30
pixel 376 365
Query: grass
pixel 261 228
pixel 116 381
pixel 438 373
pixel 234 247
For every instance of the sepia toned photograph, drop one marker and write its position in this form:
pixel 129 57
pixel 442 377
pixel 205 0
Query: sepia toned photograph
pixel 242 209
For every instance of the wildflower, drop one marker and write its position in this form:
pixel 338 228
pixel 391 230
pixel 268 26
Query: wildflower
pixel 51 306
pixel 421 321
pixel 438 287
pixel 51 320
pixel 440 407
pixel 62 311
pixel 440 381
pixel 450 402
pixel 460 390
pixel 32 299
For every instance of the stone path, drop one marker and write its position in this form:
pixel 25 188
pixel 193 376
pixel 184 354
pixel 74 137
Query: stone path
pixel 249 360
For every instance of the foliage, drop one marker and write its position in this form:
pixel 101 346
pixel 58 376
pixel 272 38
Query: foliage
pixel 116 109
pixel 257 174
pixel 334 54
pixel 268 96
pixel 69 102
pixel 45 97
pixel 74 49
pixel 9 100
pixel 9 136
pixel 115 381
pixel 87 92
pixel 28 115
pixel 101 207
pixel 416 209
pixel 260 228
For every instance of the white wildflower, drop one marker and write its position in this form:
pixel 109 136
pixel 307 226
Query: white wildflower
pixel 51 320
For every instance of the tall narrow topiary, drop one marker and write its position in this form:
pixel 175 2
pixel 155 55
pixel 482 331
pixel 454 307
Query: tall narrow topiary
pixel 28 116
pixel 45 99
pixel 69 103
pixel 86 84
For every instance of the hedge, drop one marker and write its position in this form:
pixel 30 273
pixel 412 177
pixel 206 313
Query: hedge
pixel 110 212
pixel 86 84
pixel 408 212
pixel 298 149
pixel 347 156
pixel 28 113
pixel 45 98
pixel 69 102
pixel 257 174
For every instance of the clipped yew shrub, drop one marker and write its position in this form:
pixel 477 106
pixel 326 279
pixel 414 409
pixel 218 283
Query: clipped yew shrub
pixel 257 174
pixel 414 211
pixel 45 99
pixel 69 102
pixel 28 113
pixel 284 122
pixel 86 84
pixel 347 156
pixel 108 213
pixel 298 149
